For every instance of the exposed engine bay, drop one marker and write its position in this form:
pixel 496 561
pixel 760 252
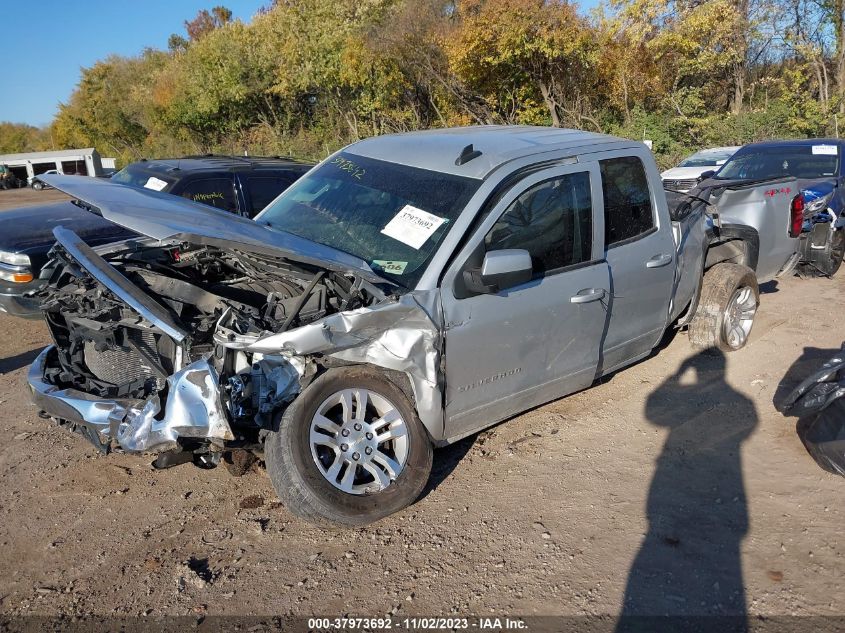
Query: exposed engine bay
pixel 151 331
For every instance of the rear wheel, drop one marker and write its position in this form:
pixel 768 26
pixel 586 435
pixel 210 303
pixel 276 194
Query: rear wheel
pixel 349 450
pixel 38 185
pixel 726 308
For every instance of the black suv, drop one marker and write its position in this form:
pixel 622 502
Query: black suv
pixel 241 185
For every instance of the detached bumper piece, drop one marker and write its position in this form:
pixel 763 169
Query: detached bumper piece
pixel 821 400
pixel 192 410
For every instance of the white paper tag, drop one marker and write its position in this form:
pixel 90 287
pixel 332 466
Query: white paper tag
pixel 828 150
pixel 412 226
pixel 155 183
pixel 395 268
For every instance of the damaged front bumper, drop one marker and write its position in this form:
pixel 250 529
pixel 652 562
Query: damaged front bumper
pixel 146 361
pixel 193 410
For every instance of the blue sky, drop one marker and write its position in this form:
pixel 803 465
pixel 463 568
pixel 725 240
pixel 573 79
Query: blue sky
pixel 47 43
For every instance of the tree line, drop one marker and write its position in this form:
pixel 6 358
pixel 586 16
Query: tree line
pixel 304 77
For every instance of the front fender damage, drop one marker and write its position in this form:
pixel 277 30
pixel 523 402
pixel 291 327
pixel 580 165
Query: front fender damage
pixel 396 335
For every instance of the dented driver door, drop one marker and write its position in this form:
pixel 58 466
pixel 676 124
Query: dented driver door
pixel 509 350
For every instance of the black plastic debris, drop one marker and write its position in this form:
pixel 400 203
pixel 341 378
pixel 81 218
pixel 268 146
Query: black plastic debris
pixel 820 402
pixel 825 438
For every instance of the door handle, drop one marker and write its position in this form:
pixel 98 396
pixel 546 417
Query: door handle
pixel 587 294
pixel 659 260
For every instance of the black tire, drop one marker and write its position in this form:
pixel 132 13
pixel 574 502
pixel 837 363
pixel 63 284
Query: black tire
pixel 306 492
pixel 719 287
pixel 824 262
pixel 38 185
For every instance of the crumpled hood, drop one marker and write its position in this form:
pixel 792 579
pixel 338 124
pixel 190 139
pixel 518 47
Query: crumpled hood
pixel 815 189
pixel 165 217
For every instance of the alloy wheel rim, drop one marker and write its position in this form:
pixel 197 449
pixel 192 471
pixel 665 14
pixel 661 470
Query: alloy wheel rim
pixel 359 441
pixel 739 317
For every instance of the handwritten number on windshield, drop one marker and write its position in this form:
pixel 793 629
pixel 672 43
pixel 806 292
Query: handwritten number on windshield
pixel 348 166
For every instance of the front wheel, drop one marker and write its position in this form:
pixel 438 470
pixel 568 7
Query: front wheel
pixel 350 450
pixel 38 185
pixel 726 309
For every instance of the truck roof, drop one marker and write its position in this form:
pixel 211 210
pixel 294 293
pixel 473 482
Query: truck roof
pixel 794 142
pixel 217 162
pixel 438 150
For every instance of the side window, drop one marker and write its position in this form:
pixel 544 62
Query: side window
pixel 627 200
pixel 215 192
pixel 264 189
pixel 552 220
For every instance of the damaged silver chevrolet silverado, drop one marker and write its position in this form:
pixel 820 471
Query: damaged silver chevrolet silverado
pixel 407 292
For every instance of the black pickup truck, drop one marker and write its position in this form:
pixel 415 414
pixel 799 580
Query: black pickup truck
pixel 239 185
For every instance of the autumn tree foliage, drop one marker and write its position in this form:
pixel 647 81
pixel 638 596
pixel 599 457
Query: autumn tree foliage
pixel 305 77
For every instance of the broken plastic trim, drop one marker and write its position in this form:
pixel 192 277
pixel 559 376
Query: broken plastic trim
pixel 193 410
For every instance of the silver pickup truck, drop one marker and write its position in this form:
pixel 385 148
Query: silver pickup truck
pixel 408 291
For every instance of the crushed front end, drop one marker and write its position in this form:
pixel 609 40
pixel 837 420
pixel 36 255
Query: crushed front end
pixel 138 361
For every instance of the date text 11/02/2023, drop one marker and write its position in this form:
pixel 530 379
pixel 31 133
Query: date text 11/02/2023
pixel 417 624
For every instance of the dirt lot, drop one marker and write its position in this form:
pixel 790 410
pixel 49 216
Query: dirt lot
pixel 673 487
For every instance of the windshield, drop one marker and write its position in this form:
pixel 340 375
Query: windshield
pixel 389 215
pixel 707 159
pixel 136 175
pixel 798 161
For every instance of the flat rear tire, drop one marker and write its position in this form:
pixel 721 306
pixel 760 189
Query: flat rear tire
pixel 726 309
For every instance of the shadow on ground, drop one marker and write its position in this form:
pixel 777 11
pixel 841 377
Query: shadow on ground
pixel 17 361
pixel 446 459
pixel 689 561
pixel 770 287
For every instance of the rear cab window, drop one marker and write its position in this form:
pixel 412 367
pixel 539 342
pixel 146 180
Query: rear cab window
pixel 628 211
pixel 264 188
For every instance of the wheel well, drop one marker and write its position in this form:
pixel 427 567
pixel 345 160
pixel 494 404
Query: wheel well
pixel 734 244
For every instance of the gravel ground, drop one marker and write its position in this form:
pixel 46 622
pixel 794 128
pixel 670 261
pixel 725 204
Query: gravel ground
pixel 672 487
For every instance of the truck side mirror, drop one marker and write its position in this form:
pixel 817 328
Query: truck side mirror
pixel 707 174
pixel 500 270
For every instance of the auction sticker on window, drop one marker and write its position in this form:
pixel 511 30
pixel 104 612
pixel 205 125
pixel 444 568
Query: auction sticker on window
pixel 155 183
pixel 396 268
pixel 412 226
pixel 828 150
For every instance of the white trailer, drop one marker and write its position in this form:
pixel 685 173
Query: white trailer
pixel 83 162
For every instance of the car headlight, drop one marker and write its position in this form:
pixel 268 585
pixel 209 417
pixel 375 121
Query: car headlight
pixel 15 267
pixel 819 204
pixel 14 259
